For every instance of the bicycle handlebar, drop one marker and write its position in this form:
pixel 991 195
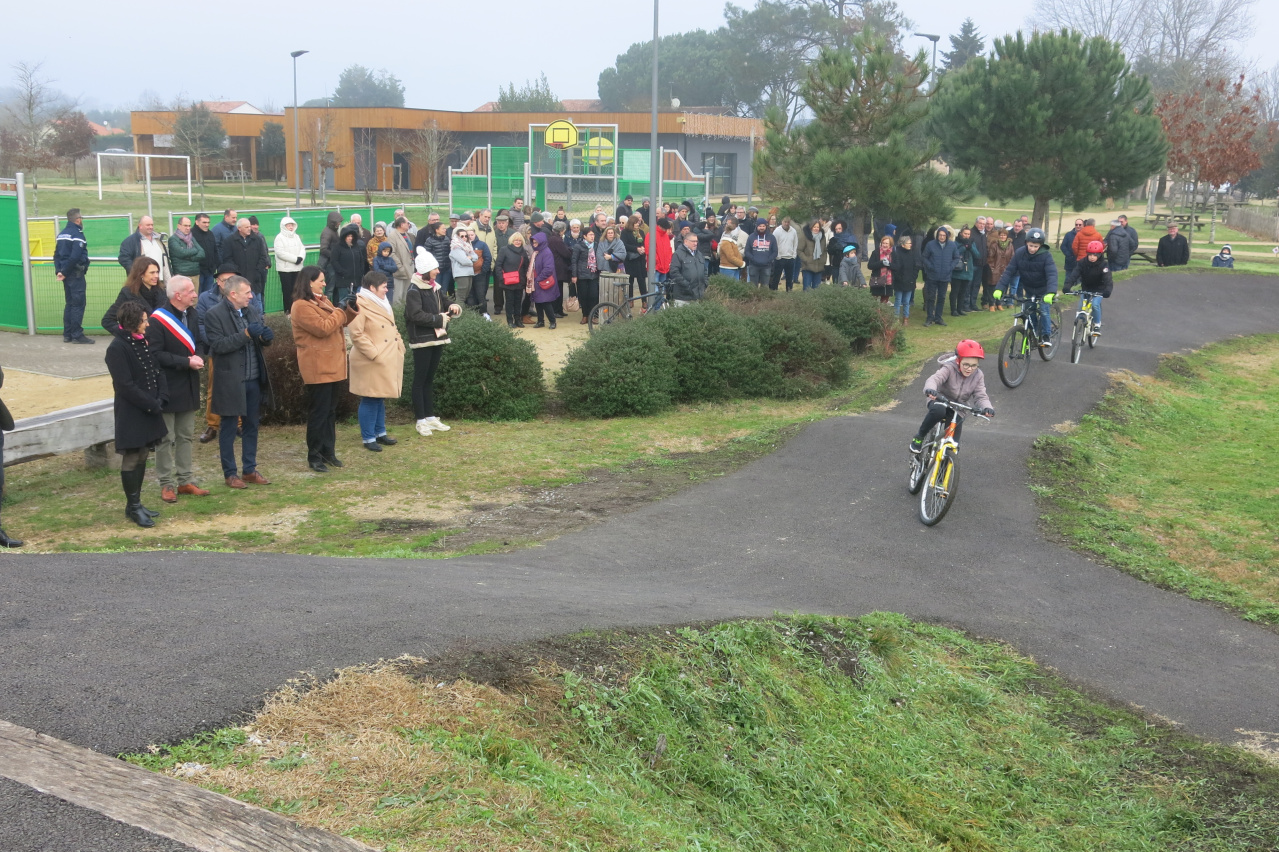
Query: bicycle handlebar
pixel 959 405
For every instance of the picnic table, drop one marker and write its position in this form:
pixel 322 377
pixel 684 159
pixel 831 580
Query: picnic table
pixel 1181 219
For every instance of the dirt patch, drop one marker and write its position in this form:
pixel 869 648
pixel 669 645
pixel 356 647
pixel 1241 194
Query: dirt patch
pixel 31 394
pixel 539 514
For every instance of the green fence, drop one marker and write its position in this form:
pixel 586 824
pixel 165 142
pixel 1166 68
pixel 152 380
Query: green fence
pixel 13 300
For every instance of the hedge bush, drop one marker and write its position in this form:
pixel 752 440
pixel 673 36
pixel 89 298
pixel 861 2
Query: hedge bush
pixel 291 404
pixel 807 356
pixel 716 354
pixel 623 369
pixel 859 316
pixel 726 289
pixel 485 373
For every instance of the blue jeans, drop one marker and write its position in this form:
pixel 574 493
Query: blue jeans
pixel 249 425
pixel 659 287
pixel 1045 321
pixel 73 313
pixel 730 272
pixel 756 274
pixel 1115 267
pixel 935 298
pixel 812 280
pixel 902 302
pixel 1096 308
pixel 372 415
pixel 207 281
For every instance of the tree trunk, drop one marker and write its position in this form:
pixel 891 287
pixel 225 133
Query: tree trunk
pixel 1212 229
pixel 1039 217
pixel 1194 198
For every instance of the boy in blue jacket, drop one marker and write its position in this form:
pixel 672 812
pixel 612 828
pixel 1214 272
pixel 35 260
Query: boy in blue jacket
pixel 386 264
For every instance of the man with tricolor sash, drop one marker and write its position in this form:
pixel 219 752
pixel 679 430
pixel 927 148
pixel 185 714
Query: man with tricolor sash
pixel 173 336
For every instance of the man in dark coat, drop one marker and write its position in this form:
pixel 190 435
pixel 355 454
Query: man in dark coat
pixel 563 263
pixel 173 336
pixel 224 229
pixel 236 335
pixel 624 209
pixel 248 252
pixel 1173 249
pixel 145 242
pixel 1068 247
pixel 71 263
pixel 208 299
pixel 686 282
pixel 209 264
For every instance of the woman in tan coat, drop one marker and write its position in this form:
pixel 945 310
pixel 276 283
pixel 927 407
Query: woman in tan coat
pixel 377 360
pixel 317 331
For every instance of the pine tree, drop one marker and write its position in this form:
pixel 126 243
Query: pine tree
pixel 1055 117
pixel 859 154
pixel 969 44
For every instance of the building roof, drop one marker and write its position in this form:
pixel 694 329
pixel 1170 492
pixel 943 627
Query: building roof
pixel 570 105
pixel 237 107
pixel 103 130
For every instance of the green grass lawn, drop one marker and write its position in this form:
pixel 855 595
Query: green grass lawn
pixel 1167 478
pixel 791 733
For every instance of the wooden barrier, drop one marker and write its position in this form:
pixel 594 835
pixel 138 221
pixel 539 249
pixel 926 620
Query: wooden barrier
pixel 87 427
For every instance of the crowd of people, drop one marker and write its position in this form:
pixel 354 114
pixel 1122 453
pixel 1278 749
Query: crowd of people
pixel 194 303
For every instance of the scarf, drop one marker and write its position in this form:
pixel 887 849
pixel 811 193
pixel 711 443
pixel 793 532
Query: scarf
pixel 817 247
pixel 366 293
pixel 187 238
pixel 885 257
pixel 592 265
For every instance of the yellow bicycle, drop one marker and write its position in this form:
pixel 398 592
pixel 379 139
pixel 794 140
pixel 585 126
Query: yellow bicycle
pixel 934 473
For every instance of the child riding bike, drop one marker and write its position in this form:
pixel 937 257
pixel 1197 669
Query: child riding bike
pixel 1093 275
pixel 960 379
pixel 1038 274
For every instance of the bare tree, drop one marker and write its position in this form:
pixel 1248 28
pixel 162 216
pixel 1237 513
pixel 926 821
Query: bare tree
pixel 317 135
pixel 198 133
pixel 430 145
pixel 1266 85
pixel 1121 21
pixel 31 116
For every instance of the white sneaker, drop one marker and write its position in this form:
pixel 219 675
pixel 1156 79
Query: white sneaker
pixel 424 428
pixel 488 318
pixel 434 423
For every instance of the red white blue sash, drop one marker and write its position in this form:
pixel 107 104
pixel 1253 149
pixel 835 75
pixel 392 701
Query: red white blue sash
pixel 175 326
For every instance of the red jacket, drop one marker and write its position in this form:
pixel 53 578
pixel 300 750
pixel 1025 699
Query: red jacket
pixel 664 249
pixel 1086 234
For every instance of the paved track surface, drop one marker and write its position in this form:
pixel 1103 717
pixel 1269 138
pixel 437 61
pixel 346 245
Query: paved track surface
pixel 114 652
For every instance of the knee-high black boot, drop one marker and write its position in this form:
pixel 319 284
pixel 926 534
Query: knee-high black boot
pixel 131 481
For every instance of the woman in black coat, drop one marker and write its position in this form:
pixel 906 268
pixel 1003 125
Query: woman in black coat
pixel 140 393
pixel 513 258
pixel 142 286
pixel 348 261
pixel 636 258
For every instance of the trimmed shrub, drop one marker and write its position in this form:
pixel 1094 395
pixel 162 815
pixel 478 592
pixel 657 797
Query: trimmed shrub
pixel 623 369
pixel 291 403
pixel 810 356
pixel 485 373
pixel 716 353
pixel 726 289
pixel 859 316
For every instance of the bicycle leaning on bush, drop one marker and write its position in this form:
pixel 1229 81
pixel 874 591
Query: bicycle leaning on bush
pixel 606 313
pixel 934 472
pixel 1085 327
pixel 1014 350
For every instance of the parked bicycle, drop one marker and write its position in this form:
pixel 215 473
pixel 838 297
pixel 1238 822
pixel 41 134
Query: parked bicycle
pixel 1015 349
pixel 934 472
pixel 606 313
pixel 1085 329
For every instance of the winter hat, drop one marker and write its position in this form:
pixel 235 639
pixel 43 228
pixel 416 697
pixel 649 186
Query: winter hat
pixel 287 220
pixel 1226 248
pixel 425 262
pixel 383 246
pixel 538 218
pixel 851 247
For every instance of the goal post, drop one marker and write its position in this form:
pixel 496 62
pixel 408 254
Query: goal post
pixel 146 158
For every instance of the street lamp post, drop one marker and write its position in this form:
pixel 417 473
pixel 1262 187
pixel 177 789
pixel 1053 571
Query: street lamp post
pixel 934 39
pixel 297 157
pixel 654 167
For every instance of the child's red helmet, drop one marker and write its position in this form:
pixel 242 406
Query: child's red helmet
pixel 969 349
pixel 1096 247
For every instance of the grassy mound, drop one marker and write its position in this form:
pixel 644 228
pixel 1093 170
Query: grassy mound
pixel 796 733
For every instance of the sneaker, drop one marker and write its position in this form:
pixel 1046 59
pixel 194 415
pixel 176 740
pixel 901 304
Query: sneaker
pixel 423 428
pixel 1096 328
pixel 436 425
pixel 916 445
pixel 488 318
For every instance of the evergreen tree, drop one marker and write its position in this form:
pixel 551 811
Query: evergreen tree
pixel 533 97
pixel 969 44
pixel 360 87
pixel 859 155
pixel 1055 117
pixel 271 145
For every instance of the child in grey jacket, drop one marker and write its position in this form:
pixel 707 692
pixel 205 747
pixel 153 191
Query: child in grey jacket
pixel 850 268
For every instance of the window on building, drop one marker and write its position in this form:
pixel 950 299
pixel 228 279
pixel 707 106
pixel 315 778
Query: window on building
pixel 722 169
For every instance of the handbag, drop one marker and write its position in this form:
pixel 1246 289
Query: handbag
pixel 571 304
pixel 546 283
pixel 879 284
pixel 510 279
pixel 479 263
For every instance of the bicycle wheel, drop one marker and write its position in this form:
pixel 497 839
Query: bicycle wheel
pixel 919 464
pixel 1093 335
pixel 602 314
pixel 1077 339
pixel 1014 357
pixel 1054 336
pixel 940 489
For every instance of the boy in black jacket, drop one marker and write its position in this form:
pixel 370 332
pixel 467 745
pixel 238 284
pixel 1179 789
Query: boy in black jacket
pixel 1093 275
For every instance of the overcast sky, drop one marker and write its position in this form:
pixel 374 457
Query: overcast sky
pixel 109 57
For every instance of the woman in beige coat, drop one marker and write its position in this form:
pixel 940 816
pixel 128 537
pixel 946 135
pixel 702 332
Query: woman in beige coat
pixel 377 360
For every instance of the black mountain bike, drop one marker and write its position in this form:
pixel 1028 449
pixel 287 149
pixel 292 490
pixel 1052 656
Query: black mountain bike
pixel 1015 349
pixel 1085 328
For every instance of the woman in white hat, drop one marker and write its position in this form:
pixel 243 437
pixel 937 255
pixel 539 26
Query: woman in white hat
pixel 427 311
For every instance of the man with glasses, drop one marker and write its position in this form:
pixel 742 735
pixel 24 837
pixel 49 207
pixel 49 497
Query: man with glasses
pixel 71 262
